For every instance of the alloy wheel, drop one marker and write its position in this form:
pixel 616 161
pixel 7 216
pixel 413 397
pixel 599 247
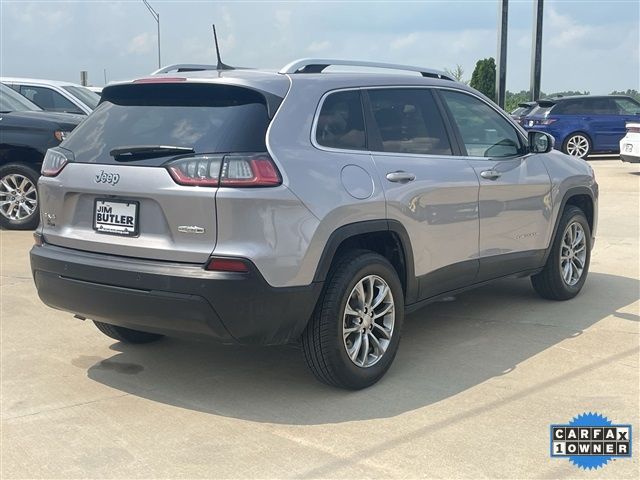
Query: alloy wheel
pixel 578 146
pixel 18 197
pixel 573 253
pixel 368 321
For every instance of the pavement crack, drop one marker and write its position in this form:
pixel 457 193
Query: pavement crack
pixel 79 404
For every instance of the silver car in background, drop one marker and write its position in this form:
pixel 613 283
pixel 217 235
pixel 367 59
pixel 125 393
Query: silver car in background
pixel 259 207
pixel 55 95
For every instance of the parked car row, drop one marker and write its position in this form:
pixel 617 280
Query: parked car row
pixel 34 116
pixel 581 125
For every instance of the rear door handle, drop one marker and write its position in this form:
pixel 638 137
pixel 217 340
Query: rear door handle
pixel 401 177
pixel 490 174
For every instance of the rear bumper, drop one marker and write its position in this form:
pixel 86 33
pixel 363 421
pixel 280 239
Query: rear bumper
pixel 172 298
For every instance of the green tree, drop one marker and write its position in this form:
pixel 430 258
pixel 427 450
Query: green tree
pixel 630 93
pixel 457 73
pixel 483 78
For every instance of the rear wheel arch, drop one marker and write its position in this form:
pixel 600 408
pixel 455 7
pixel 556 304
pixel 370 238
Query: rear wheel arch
pixel 388 238
pixel 29 157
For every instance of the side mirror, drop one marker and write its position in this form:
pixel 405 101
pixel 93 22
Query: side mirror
pixel 540 142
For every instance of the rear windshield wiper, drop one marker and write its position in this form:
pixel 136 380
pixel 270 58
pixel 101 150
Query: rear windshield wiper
pixel 123 154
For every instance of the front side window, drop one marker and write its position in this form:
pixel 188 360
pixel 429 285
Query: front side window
pixel 341 122
pixel 409 121
pixel 485 133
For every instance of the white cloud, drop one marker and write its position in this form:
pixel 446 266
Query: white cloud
pixel 143 43
pixel 316 46
pixel 405 41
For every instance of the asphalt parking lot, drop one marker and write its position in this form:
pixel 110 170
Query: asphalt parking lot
pixel 475 386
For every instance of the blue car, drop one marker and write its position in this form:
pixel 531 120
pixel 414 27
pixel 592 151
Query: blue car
pixel 584 124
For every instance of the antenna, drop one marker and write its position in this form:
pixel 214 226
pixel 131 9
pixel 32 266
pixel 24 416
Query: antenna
pixel 220 66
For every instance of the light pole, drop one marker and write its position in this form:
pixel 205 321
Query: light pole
pixel 501 77
pixel 156 17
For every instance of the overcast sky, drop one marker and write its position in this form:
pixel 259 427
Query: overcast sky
pixel 588 45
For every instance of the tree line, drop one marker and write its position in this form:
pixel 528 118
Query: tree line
pixel 483 79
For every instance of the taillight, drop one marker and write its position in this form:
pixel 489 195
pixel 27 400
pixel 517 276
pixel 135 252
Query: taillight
pixel 222 264
pixel 633 129
pixel 201 170
pixel 231 170
pixel 53 163
pixel 249 171
pixel 548 121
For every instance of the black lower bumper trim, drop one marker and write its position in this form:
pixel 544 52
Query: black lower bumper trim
pixel 172 298
pixel 629 158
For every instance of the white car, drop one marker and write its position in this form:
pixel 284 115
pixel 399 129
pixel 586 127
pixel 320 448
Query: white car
pixel 54 95
pixel 630 144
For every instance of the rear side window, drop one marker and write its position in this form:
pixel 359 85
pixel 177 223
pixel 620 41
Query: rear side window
pixel 48 99
pixel 341 122
pixel 627 106
pixel 409 121
pixel 207 118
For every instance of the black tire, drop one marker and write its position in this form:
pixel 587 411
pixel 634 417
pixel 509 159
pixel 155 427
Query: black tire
pixel 126 335
pixel 575 137
pixel 322 341
pixel 549 283
pixel 30 222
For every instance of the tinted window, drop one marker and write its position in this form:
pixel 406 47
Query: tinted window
pixel 11 101
pixel 206 118
pixel 341 122
pixel 484 131
pixel 48 99
pixel 86 96
pixel 408 121
pixel 627 106
pixel 586 106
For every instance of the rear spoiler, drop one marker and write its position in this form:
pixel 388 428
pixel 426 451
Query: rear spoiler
pixel 527 104
pixel 546 103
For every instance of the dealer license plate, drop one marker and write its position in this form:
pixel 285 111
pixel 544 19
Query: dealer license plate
pixel 116 217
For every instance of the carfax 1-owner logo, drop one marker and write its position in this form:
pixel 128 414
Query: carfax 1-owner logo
pixel 590 441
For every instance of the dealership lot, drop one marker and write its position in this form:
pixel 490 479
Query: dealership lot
pixel 476 384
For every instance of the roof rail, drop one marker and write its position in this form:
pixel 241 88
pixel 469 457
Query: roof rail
pixel 317 65
pixel 184 67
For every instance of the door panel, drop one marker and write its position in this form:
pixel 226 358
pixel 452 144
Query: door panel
pixel 432 193
pixel 515 214
pixel 514 199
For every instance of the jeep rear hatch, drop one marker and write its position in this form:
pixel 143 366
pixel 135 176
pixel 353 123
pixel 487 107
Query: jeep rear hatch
pixel 139 176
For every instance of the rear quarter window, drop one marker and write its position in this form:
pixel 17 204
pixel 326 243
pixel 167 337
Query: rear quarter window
pixel 340 123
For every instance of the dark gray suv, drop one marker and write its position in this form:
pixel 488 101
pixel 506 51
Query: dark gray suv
pixel 258 207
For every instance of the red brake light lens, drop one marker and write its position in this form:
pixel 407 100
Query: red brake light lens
pixel 249 171
pixel 201 170
pixel 53 163
pixel 232 170
pixel 221 264
pixel 633 129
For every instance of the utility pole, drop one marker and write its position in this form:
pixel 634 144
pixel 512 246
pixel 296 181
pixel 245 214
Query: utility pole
pixel 536 49
pixel 156 17
pixel 501 76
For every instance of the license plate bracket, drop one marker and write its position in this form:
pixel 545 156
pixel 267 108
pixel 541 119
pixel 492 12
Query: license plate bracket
pixel 116 217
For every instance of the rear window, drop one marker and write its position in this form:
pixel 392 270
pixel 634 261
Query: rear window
pixel 207 118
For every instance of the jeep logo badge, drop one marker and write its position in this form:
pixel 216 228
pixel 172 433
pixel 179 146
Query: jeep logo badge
pixel 108 178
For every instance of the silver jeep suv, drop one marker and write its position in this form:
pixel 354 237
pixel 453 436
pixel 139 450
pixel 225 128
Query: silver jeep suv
pixel 258 207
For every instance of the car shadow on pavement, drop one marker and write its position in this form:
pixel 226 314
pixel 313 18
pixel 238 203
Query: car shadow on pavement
pixel 447 347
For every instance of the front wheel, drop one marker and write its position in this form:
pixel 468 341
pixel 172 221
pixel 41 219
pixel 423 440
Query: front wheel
pixel 577 145
pixel 353 336
pixel 566 269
